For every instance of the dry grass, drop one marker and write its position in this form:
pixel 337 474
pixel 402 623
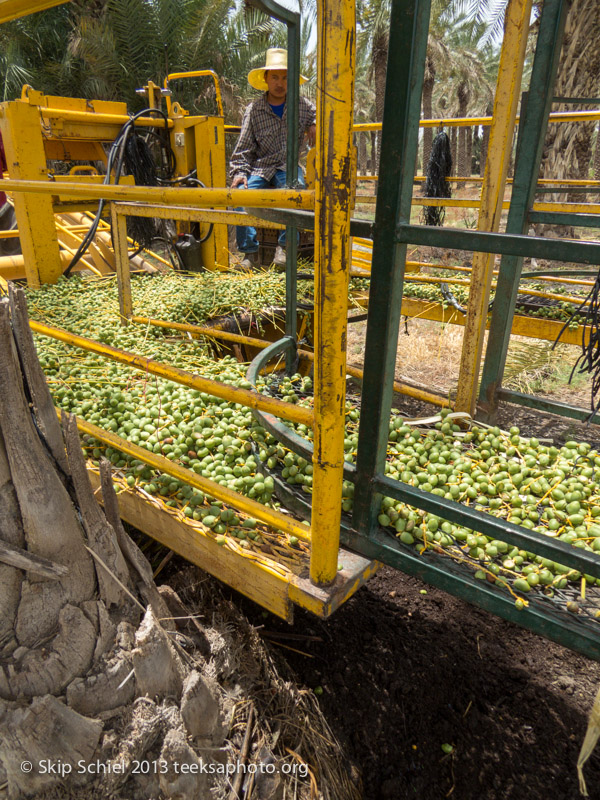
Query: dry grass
pixel 430 354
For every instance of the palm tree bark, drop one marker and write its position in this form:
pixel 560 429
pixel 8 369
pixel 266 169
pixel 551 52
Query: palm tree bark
pixel 373 152
pixel 464 95
pixel 427 101
pixel 380 51
pixel 485 140
pixel 362 153
pixel 469 151
pixel 568 145
pixel 454 148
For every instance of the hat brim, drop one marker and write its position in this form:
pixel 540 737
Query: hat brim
pixel 256 78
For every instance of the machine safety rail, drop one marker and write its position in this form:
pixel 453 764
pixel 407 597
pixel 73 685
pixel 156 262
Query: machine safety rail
pixel 232 394
pixel 199 73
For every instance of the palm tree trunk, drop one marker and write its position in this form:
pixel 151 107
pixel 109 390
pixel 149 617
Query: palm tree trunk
pixel 463 105
pixel 597 156
pixel 485 140
pixel 373 152
pixel 380 51
pixel 469 151
pixel 568 146
pixel 362 153
pixel 427 101
pixel 454 148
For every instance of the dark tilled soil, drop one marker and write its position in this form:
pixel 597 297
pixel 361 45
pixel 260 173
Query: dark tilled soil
pixel 405 668
pixel 404 672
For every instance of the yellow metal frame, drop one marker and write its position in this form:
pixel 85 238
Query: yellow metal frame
pixel 262 580
pixel 13 9
pixel 466 122
pixel 331 202
pixel 233 394
pixel 200 73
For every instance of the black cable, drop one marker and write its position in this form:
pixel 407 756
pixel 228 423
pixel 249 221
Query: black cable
pixel 191 178
pixel 589 358
pixel 117 149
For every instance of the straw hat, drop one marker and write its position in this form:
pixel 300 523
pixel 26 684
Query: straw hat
pixel 276 59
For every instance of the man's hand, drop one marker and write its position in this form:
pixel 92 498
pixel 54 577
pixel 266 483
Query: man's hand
pixel 238 181
pixel 311 135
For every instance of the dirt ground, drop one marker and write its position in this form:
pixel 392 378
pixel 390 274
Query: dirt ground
pixel 405 668
pixel 404 672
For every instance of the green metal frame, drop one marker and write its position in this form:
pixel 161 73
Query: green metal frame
pixel 392 232
pixel 532 133
pixel 409 27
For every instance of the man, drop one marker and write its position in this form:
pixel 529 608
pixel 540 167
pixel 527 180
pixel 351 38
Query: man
pixel 259 158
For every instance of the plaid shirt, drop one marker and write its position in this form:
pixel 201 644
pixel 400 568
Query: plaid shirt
pixel 261 148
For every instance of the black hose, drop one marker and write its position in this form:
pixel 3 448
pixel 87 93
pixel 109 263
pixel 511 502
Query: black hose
pixel 117 150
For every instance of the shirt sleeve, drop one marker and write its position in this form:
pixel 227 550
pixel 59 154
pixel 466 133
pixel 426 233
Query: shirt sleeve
pixel 244 154
pixel 312 114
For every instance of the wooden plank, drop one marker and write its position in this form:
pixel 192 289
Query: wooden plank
pixel 323 601
pixel 245 575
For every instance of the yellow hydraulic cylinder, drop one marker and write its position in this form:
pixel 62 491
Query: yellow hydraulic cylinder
pixel 335 97
pixel 508 89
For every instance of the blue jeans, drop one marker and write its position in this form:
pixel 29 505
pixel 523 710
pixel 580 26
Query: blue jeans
pixel 246 234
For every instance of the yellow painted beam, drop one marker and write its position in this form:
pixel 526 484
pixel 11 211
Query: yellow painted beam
pixel 508 87
pixel 232 394
pixel 180 196
pixel 333 179
pixel 531 327
pixel 468 122
pixel 475 202
pixel 13 9
pixel 265 586
pixel 270 516
pixel 195 215
pixel 563 298
pixel 26 159
pixel 356 372
pixel 540 181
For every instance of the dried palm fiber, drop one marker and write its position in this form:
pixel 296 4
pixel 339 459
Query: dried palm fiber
pixel 438 169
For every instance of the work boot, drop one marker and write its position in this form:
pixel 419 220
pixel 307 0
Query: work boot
pixel 279 259
pixel 251 261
